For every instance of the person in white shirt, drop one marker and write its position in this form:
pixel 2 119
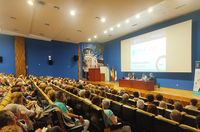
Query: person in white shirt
pixel 144 77
pixel 193 103
pixel 87 96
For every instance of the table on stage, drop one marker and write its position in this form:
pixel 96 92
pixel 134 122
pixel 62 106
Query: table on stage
pixel 138 84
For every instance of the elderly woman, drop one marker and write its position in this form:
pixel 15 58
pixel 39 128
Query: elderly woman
pixel 111 119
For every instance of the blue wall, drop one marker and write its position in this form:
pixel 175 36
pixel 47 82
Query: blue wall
pixel 62 53
pixel 7 51
pixel 112 53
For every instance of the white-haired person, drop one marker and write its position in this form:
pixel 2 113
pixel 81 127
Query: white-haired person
pixel 111 119
pixel 140 104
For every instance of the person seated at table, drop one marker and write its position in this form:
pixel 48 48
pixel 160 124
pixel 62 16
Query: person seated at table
pixel 144 77
pixel 151 78
pixel 111 119
pixel 133 77
pixel 129 76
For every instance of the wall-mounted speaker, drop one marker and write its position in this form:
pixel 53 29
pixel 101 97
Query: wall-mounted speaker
pixel 75 57
pixel 1 59
pixel 50 62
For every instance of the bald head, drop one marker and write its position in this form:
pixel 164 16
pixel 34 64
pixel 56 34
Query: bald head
pixel 125 97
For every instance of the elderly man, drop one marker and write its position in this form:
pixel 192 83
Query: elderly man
pixel 82 93
pixel 125 98
pixel 140 104
pixel 151 77
pixel 133 77
pixel 78 119
pixel 144 77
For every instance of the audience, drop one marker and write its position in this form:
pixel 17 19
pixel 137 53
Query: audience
pixel 162 104
pixel 170 101
pixel 140 104
pixel 78 119
pixel 150 99
pixel 125 98
pixel 51 95
pixel 82 93
pixel 96 100
pixel 159 97
pixel 152 109
pixel 103 94
pixel 198 121
pixel 87 96
pixel 136 95
pixel 111 119
pixel 175 115
pixel 178 106
pixel 75 92
pixel 193 103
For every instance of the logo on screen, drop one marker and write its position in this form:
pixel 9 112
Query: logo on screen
pixel 133 52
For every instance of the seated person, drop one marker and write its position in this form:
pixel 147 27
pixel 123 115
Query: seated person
pixel 144 77
pixel 51 95
pixel 136 95
pixel 122 91
pixel 162 104
pixel 82 93
pixel 153 109
pixel 193 103
pixel 78 119
pixel 96 101
pixel 159 97
pixel 151 78
pixel 175 115
pixel 133 77
pixel 140 104
pixel 129 76
pixel 150 99
pixel 198 121
pixel 111 119
pixel 75 92
pixel 124 100
pixel 103 94
pixel 87 96
pixel 178 106
pixel 170 101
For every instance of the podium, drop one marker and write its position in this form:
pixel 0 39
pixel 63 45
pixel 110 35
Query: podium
pixel 94 74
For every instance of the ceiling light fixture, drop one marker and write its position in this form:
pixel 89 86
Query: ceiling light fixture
pixel 89 39
pixel 138 16
pixel 150 10
pixel 103 19
pixel 105 31
pixel 72 13
pixel 95 36
pixel 30 2
pixel 118 25
pixel 127 21
pixel 111 29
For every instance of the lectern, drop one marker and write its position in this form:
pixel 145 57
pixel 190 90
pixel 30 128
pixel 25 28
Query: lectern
pixel 94 74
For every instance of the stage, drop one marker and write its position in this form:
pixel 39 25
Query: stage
pixel 182 96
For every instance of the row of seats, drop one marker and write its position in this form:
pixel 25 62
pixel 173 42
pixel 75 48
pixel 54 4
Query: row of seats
pixel 137 119
pixel 6 100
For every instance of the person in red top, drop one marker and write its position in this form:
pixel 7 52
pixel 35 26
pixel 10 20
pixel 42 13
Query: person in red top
pixel 150 99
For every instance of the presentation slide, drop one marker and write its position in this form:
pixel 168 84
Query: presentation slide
pixel 164 50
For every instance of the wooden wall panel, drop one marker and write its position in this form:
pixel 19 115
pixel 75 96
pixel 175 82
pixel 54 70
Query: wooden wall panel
pixel 20 56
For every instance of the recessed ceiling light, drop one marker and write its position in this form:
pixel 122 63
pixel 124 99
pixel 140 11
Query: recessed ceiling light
pixel 118 25
pixel 150 10
pixel 105 31
pixel 127 21
pixel 30 2
pixel 138 16
pixel 111 29
pixel 89 39
pixel 103 19
pixel 72 13
pixel 95 36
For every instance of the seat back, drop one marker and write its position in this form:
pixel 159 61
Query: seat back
pixel 169 106
pixel 132 102
pixel 119 98
pixel 145 99
pixel 131 97
pixel 116 108
pixel 167 113
pixel 156 102
pixel 86 109
pixel 108 95
pixel 165 125
pixel 128 114
pixel 73 101
pixel 189 120
pixel 78 105
pixel 185 128
pixel 161 111
pixel 96 117
pixel 144 121
pixel 193 112
pixel 145 107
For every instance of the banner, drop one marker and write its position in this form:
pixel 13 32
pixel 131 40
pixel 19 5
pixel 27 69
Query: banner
pixel 196 88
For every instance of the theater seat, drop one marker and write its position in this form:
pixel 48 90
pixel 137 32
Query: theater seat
pixel 119 98
pixel 167 113
pixel 145 99
pixel 132 102
pixel 169 106
pixel 86 109
pixel 144 121
pixel 161 111
pixel 128 114
pixel 189 120
pixel 131 97
pixel 165 125
pixel 116 108
pixel 108 95
pixel 73 101
pixel 193 112
pixel 185 128
pixel 78 105
pixel 96 117
pixel 156 102
pixel 145 107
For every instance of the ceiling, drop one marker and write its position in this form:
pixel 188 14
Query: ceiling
pixel 51 19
